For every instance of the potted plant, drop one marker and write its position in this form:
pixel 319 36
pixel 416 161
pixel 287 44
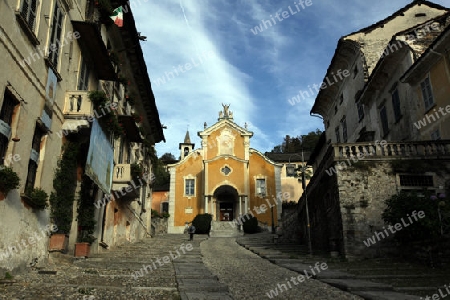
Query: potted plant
pixel 36 198
pixel 63 196
pixel 10 181
pixel 85 218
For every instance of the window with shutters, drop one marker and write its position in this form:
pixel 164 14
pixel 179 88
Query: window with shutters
pixel 34 158
pixel 427 93
pixel 55 36
pixel 26 16
pixel 396 105
pixel 6 114
pixel 384 120
pixel 83 80
pixel 28 12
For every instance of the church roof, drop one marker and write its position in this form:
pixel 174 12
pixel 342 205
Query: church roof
pixel 187 138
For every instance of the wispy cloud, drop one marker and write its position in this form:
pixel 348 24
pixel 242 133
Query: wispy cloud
pixel 256 74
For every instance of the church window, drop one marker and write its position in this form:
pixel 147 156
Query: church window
pixel 261 187
pixel 226 170
pixel 189 187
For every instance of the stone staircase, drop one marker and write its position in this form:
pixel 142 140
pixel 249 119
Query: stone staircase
pixel 154 269
pixel 225 229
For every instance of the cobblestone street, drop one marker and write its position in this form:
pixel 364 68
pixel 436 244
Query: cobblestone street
pixel 171 267
pixel 249 276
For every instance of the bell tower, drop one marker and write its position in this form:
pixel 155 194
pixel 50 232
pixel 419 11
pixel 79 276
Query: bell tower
pixel 186 147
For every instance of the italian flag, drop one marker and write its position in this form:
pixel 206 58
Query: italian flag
pixel 117 16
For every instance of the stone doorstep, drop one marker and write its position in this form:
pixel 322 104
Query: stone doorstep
pixel 352 285
pixel 375 295
pixel 205 296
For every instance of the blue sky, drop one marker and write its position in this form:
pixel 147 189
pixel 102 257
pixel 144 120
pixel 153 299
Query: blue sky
pixel 225 62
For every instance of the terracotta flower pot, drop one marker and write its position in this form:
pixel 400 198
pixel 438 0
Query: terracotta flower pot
pixel 82 249
pixel 58 242
pixel 2 196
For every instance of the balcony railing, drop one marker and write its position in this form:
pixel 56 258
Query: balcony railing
pixel 122 173
pixel 77 104
pixel 124 184
pixel 416 149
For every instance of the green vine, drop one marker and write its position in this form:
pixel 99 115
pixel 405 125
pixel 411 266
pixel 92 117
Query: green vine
pixel 110 121
pixel 64 185
pixel 86 212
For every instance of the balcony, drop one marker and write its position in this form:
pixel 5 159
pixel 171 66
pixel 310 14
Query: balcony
pixel 395 150
pixel 125 186
pixel 77 104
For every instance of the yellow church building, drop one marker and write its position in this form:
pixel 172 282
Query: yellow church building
pixel 225 178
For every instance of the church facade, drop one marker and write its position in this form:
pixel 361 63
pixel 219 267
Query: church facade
pixel 224 177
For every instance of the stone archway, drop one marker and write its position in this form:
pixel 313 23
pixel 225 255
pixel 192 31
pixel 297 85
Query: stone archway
pixel 226 203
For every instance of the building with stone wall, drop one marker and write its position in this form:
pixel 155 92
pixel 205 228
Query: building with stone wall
pixel 370 149
pixel 55 53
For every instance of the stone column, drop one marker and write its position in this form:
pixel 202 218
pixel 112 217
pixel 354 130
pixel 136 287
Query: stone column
pixel 246 204
pixel 206 204
pixel 240 205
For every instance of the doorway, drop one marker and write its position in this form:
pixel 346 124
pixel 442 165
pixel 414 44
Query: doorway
pixel 226 211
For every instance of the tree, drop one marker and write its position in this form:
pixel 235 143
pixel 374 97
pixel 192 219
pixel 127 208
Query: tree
pixel 167 157
pixel 297 144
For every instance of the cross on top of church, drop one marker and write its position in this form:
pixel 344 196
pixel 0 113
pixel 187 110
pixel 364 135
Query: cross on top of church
pixel 225 113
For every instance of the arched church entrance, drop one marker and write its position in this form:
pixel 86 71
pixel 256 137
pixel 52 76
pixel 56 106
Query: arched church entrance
pixel 227 200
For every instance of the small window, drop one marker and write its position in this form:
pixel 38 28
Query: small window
pixel 360 108
pixel 189 187
pixel 34 158
pixel 416 180
pixel 335 109
pixel 28 12
pixel 427 93
pixel 6 114
pixel 344 129
pixel 186 151
pixel 165 207
pixel 55 37
pixel 261 187
pixel 396 105
pixel 341 99
pixel 338 134
pixel 384 120
pixel 83 80
pixel 355 71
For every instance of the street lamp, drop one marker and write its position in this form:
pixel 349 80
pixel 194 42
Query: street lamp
pixel 290 172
